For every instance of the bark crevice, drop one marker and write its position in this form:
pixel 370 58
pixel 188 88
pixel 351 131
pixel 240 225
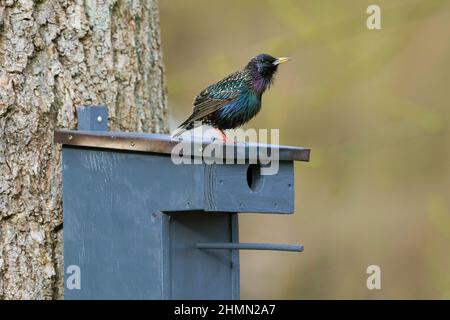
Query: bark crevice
pixel 54 56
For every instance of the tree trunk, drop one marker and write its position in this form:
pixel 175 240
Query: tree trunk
pixel 54 56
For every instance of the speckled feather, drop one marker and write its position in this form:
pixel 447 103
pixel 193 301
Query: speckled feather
pixel 234 100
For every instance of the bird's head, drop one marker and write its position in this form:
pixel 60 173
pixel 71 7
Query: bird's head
pixel 265 64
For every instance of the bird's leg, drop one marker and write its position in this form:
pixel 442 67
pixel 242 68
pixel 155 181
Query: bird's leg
pixel 224 137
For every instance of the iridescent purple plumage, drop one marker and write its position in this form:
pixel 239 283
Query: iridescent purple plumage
pixel 235 99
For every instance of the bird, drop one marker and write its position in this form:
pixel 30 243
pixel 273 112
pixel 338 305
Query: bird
pixel 234 100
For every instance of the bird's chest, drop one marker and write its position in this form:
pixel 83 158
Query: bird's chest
pixel 238 112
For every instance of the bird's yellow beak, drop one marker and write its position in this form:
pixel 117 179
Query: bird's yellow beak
pixel 281 60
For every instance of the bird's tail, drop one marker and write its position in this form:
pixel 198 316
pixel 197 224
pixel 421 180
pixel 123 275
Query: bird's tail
pixel 185 126
pixel 178 132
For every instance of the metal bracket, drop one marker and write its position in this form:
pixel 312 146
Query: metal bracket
pixel 92 118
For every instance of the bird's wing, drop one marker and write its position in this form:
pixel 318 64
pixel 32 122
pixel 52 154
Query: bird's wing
pixel 217 95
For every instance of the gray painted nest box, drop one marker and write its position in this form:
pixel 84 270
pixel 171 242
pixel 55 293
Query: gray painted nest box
pixel 139 226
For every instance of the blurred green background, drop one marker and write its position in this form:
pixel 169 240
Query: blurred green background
pixel 373 105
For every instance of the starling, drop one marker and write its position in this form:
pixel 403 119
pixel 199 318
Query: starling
pixel 236 99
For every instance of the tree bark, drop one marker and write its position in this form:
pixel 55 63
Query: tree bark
pixel 54 56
